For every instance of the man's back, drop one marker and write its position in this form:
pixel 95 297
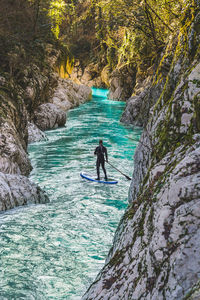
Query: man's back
pixel 100 151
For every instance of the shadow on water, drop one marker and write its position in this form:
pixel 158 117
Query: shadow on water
pixel 54 251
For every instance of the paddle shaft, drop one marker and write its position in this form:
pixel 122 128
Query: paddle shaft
pixel 119 171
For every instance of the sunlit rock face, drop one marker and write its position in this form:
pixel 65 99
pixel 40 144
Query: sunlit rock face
pixel 90 75
pixel 17 190
pixel 122 82
pixel 156 249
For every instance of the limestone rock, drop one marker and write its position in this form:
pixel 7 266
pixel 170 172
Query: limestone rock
pixel 13 157
pixel 16 190
pixel 27 85
pixel 122 83
pixel 90 76
pixel 156 248
pixel 49 116
pixel 147 90
pixel 69 94
pixel 37 87
pixel 137 109
pixel 35 134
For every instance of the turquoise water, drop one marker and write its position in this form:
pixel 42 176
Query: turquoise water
pixel 54 251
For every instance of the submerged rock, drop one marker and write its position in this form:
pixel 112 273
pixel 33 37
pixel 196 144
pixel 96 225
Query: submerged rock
pixel 18 190
pixel 49 116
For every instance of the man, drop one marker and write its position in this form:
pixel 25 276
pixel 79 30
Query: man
pixel 100 151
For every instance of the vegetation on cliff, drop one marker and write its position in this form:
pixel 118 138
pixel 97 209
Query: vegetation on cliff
pixel 155 254
pixel 151 257
pixel 111 34
pixel 104 34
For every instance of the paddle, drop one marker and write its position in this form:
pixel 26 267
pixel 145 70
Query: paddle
pixel 127 177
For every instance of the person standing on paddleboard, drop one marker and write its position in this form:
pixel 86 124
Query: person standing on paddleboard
pixel 101 153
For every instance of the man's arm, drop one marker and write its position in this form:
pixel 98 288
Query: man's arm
pixel 106 154
pixel 95 152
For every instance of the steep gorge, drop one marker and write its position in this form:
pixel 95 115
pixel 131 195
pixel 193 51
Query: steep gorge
pixel 32 99
pixel 155 254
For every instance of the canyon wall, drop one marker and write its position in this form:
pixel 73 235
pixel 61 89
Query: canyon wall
pixel 156 248
pixel 32 99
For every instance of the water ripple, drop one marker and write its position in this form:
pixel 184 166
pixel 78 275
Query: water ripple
pixel 54 251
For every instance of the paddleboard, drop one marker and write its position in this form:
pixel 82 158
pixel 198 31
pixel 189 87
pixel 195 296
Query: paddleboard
pixel 92 178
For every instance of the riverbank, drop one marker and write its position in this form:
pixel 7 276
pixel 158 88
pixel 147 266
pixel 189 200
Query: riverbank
pixel 28 107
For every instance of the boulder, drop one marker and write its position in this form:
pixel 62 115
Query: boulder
pixel 16 190
pixel 49 116
pixel 35 134
pixel 69 94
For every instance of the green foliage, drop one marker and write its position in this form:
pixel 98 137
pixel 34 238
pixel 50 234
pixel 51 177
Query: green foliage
pixel 122 31
pixel 56 12
pixel 103 32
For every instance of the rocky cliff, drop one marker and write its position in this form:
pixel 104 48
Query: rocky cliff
pixel 32 98
pixel 120 82
pixel 156 248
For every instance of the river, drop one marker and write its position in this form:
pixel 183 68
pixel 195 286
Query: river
pixel 54 251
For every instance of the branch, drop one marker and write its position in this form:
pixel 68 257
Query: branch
pixel 158 17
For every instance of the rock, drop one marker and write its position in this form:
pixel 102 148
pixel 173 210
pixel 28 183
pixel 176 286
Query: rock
pixel 2 81
pixel 89 76
pixel 35 134
pixel 23 112
pixel 49 116
pixel 13 157
pixel 148 90
pixel 69 94
pixel 17 190
pixel 122 82
pixel 156 248
pixel 137 109
pixel 105 76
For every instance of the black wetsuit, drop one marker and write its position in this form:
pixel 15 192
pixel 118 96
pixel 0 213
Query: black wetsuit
pixel 100 151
